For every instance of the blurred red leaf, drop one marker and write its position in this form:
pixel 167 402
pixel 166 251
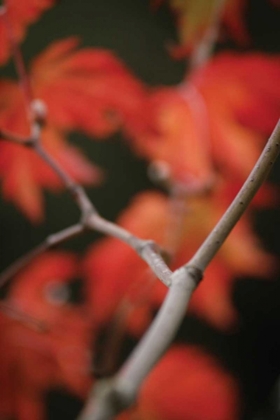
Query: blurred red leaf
pixel 178 138
pixel 88 89
pixel 195 18
pixel 127 277
pixel 14 22
pixel 201 389
pixel 23 173
pixel 215 122
pixel 234 20
pixel 37 361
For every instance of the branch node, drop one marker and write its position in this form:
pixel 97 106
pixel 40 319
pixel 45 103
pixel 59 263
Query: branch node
pixel 141 245
pixel 88 213
pixel 39 110
pixel 30 142
pixel 195 272
pixel 108 398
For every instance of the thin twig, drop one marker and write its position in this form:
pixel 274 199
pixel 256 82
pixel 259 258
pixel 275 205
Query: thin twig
pixel 14 138
pixel 204 49
pixel 49 242
pixel 76 190
pixel 146 249
pixel 90 219
pixel 257 176
pixel 113 395
pixel 34 142
pixel 14 312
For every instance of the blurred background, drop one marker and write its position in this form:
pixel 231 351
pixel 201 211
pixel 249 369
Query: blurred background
pixel 139 37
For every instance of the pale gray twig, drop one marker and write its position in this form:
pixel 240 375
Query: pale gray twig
pixel 146 249
pixel 257 176
pixel 90 219
pixel 49 242
pixel 113 395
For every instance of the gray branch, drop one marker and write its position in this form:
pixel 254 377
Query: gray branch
pixel 111 396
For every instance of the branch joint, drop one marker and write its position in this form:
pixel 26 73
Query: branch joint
pixel 195 273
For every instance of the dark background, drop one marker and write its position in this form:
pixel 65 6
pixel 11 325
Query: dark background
pixel 139 37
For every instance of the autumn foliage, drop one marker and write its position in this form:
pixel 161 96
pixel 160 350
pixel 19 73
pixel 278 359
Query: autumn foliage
pixel 200 139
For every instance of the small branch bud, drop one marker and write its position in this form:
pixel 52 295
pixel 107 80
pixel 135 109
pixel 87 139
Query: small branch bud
pixel 39 110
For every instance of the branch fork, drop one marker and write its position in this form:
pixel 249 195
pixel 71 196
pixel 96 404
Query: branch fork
pixel 125 385
pixel 112 395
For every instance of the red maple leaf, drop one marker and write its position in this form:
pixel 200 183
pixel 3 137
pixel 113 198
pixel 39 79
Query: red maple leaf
pixel 89 89
pixel 59 355
pixel 177 137
pixel 127 277
pixel 23 173
pixel 216 122
pixel 201 389
pixel 14 19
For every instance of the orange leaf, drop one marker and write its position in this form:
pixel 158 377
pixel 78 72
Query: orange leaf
pixel 216 122
pixel 178 137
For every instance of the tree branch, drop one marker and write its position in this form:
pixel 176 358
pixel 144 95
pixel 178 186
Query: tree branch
pixel 115 394
pixel 76 190
pixel 146 249
pixel 257 176
pixel 91 220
